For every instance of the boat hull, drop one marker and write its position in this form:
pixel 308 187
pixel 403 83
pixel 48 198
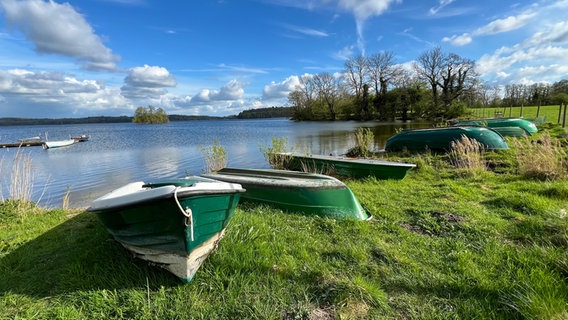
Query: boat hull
pixel 57 144
pixel 296 192
pixel 348 167
pixel 152 226
pixel 440 139
pixel 525 124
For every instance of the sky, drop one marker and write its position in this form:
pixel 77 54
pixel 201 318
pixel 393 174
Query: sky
pixel 86 58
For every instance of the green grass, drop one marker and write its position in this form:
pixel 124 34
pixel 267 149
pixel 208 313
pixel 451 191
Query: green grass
pixel 441 245
pixel 528 112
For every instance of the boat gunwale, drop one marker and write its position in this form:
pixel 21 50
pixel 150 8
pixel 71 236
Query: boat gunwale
pixel 182 193
pixel 342 159
pixel 261 180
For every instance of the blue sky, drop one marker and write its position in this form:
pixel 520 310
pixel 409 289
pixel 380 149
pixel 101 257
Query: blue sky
pixel 107 57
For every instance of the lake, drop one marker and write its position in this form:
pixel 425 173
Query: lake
pixel 120 153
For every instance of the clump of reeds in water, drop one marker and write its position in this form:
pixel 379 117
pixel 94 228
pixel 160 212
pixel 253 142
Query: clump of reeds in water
pixel 542 159
pixel 467 154
pixel 364 139
pixel 275 154
pixel 215 157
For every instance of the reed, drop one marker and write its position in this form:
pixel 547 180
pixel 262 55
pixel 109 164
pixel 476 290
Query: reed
pixel 467 154
pixel 20 180
pixel 542 159
pixel 274 154
pixel 364 139
pixel 215 157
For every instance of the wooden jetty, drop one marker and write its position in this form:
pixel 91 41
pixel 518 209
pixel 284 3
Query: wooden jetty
pixel 21 144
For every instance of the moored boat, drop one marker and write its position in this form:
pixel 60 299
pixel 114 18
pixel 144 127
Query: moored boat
pixel 346 166
pixel 296 192
pixel 174 224
pixel 525 124
pixel 57 143
pixel 440 139
pixel 81 138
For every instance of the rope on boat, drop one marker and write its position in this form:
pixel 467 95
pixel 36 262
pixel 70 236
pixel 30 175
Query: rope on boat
pixel 187 213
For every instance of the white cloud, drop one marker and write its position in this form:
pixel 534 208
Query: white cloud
pixel 34 91
pixel 494 27
pixel 147 82
pixel 230 92
pixel 459 40
pixel 504 25
pixel 363 9
pixel 441 5
pixel 280 90
pixel 58 29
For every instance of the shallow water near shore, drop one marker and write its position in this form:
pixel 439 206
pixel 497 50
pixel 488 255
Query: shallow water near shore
pixel 120 153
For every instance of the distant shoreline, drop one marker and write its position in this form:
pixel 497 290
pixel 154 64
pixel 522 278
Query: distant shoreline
pixel 9 121
pixel 272 112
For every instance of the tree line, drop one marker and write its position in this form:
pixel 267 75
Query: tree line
pixel 439 85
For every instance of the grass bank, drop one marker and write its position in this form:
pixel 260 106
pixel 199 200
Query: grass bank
pixel 443 244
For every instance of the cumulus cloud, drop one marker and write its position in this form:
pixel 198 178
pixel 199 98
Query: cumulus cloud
pixel 231 91
pixel 18 81
pixel 59 29
pixel 147 82
pixel 280 90
pixel 42 93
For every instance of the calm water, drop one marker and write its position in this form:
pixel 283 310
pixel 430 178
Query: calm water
pixel 120 153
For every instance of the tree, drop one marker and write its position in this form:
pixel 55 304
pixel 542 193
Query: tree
pixel 328 90
pixel 303 98
pixel 428 68
pixel 457 76
pixel 356 76
pixel 382 71
pixel 150 115
pixel 449 77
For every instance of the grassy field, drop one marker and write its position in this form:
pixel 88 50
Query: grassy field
pixel 443 244
pixel 550 113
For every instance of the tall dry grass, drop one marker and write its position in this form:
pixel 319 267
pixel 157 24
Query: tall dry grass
pixel 467 154
pixel 542 159
pixel 19 179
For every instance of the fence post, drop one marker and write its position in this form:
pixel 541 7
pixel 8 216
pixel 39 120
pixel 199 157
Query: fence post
pixel 564 118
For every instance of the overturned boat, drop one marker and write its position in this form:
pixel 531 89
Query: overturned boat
pixel 174 223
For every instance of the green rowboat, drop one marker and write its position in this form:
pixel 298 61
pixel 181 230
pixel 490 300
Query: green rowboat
pixel 345 166
pixel 296 192
pixel 440 139
pixel 174 224
pixel 525 124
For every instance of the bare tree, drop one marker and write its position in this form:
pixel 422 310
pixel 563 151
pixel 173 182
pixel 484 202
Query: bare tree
pixel 382 72
pixel 356 78
pixel 457 76
pixel 428 68
pixel 328 89
pixel 303 97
